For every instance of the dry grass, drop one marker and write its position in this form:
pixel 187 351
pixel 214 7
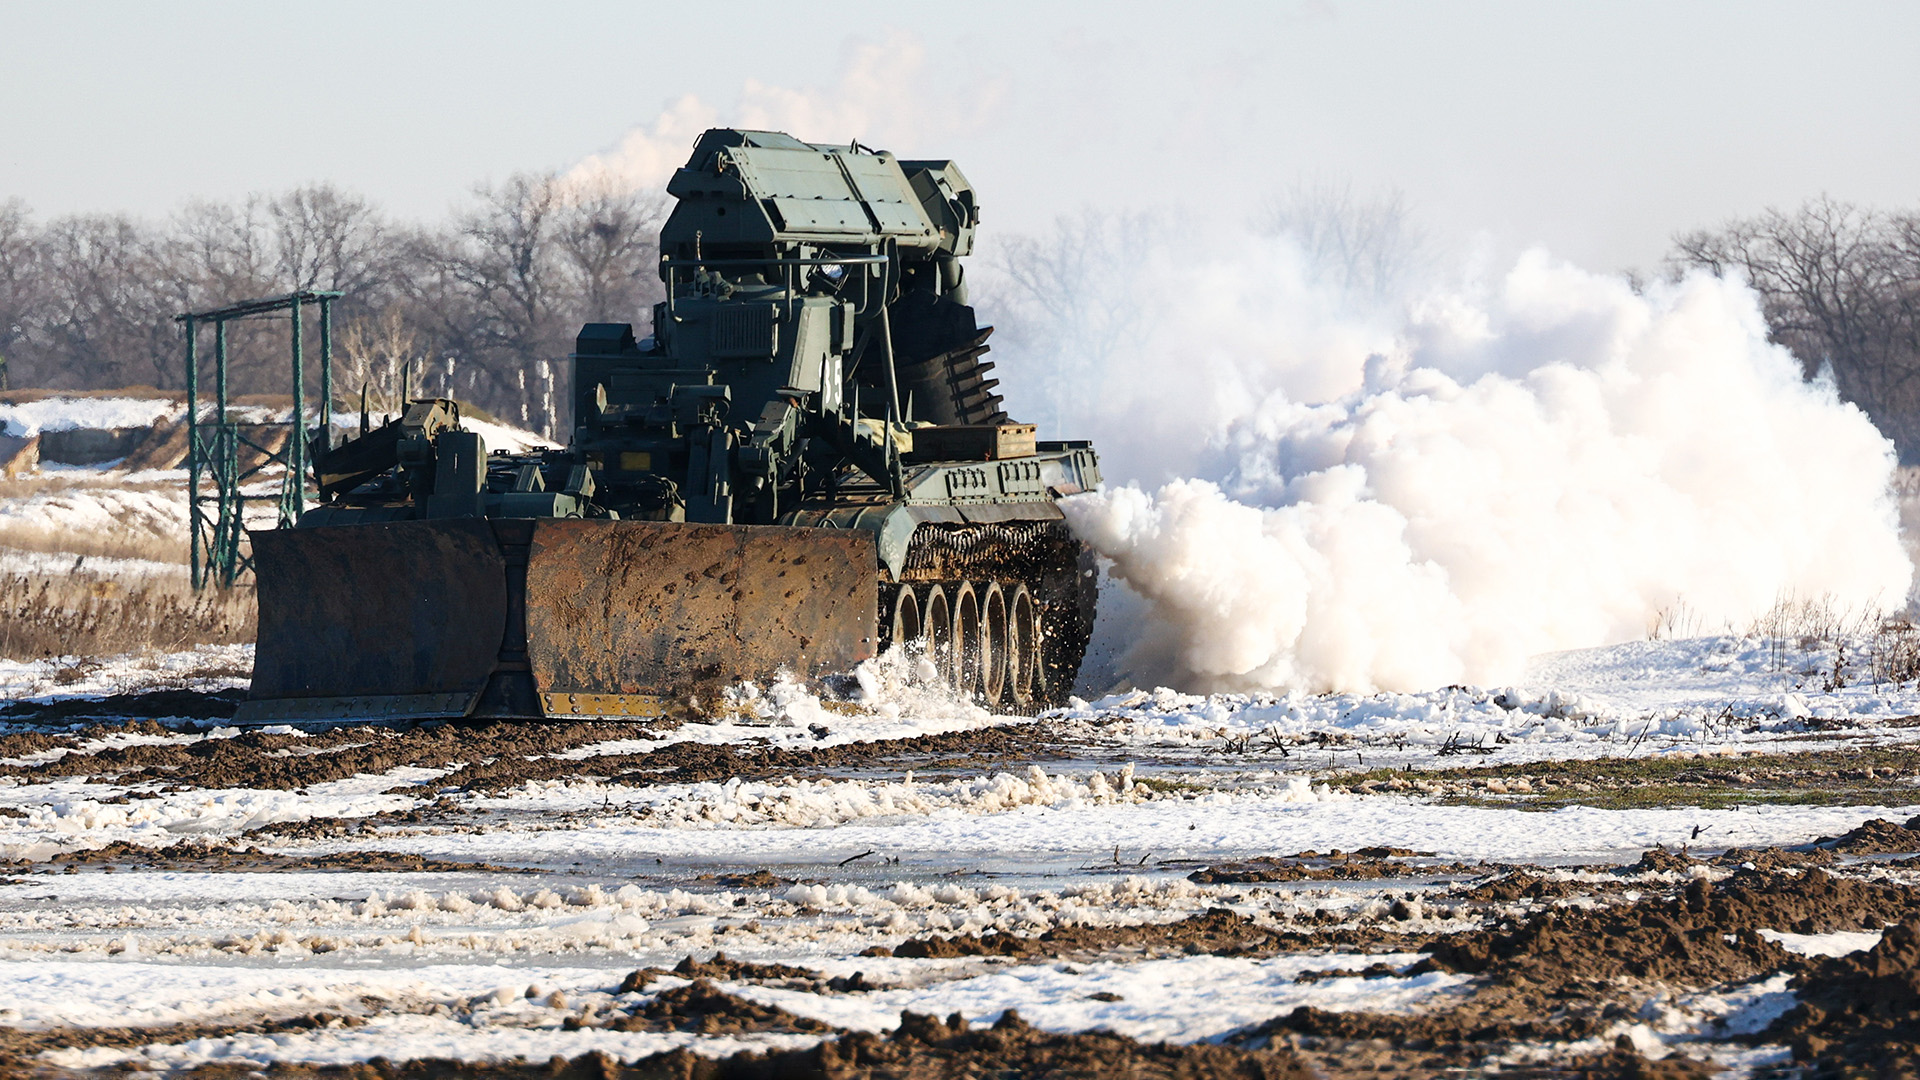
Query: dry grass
pixel 151 540
pixel 1894 655
pixel 90 615
pixel 57 601
pixel 133 544
pixel 1797 631
pixel 1812 621
pixel 1675 621
pixel 1796 626
pixel 66 480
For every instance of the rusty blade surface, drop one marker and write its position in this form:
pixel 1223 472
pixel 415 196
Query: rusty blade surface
pixel 405 608
pixel 671 609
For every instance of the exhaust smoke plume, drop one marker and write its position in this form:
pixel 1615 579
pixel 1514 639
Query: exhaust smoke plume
pixel 1546 464
pixel 1317 483
pixel 879 96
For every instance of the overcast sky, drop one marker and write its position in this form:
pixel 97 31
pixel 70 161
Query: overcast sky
pixel 1595 129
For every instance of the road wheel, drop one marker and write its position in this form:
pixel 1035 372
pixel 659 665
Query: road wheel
pixel 993 644
pixel 937 617
pixel 966 640
pixel 905 628
pixel 1023 649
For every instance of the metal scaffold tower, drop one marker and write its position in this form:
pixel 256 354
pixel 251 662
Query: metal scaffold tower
pixel 219 444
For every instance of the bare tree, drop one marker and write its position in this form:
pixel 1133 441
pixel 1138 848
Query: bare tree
pixel 377 355
pixel 1068 301
pixel 610 251
pixel 325 238
pixel 498 284
pixel 19 286
pixel 1840 287
pixel 88 301
pixel 222 252
pixel 506 257
pixel 1367 247
pixel 108 311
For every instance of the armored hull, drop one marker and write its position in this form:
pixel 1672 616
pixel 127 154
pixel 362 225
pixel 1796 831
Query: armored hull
pixel 805 464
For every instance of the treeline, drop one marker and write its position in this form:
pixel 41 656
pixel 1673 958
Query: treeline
pixel 1840 287
pixel 480 305
pixel 476 306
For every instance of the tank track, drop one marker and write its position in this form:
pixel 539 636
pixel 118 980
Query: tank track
pixel 1057 569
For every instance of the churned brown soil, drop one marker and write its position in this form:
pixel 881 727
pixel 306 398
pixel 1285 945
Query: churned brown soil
pixel 1544 976
pixel 704 1008
pixel 1567 974
pixel 1549 959
pixel 1620 1063
pixel 1876 837
pixel 1521 885
pixel 689 762
pixel 1682 939
pixel 334 828
pixel 1861 774
pixel 1554 975
pixel 1367 864
pixel 111 711
pixel 720 966
pixel 18 1048
pixel 286 762
pixel 921 1048
pixel 484 757
pixel 1859 1015
pixel 186 855
pixel 1337 1046
pixel 1218 931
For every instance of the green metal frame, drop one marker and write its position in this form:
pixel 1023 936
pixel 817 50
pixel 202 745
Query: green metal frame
pixel 216 501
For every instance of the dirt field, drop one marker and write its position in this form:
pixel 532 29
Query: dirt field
pixel 1061 897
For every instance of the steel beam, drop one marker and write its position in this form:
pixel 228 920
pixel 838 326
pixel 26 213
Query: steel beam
pixel 214 445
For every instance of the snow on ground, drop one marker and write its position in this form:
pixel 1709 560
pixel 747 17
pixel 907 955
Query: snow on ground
pixel 102 509
pixel 1180 1000
pixel 1680 1022
pixel 400 1037
pixel 203 667
pixel 70 815
pixel 405 1036
pixel 1146 787
pixel 506 437
pixel 1009 831
pixel 66 414
pixel 496 435
pixel 407 918
pixel 1698 695
pixel 39 564
pixel 1749 676
pixel 136 992
pixel 1839 943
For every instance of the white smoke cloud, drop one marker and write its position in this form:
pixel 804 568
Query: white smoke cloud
pixel 881 97
pixel 1334 493
pixel 1545 466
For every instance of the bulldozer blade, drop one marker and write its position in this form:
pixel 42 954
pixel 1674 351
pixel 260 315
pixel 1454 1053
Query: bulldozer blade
pixel 392 621
pixel 638 618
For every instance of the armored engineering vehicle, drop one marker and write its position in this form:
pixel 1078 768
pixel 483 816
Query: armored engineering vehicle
pixel 805 463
